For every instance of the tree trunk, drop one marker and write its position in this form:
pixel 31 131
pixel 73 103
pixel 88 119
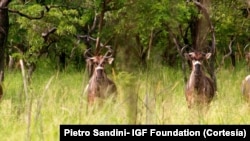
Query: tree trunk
pixel 4 27
pixel 200 28
pixel 62 61
pixel 204 28
pixel 101 21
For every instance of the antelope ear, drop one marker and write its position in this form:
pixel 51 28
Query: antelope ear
pixel 90 60
pixel 189 55
pixel 208 55
pixel 110 60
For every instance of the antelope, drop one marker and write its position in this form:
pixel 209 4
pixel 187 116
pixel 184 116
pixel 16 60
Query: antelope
pixel 245 85
pixel 200 89
pixel 99 86
pixel 245 88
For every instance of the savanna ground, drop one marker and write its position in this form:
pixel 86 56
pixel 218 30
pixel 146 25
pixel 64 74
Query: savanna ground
pixel 155 96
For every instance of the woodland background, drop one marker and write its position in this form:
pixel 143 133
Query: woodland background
pixel 140 32
pixel 148 38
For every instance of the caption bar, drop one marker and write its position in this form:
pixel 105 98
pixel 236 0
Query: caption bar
pixel 68 132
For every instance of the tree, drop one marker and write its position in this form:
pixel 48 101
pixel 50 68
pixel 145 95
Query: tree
pixel 4 30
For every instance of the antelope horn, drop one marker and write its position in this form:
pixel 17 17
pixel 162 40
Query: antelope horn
pixel 246 47
pixel 87 53
pixel 183 48
pixel 109 51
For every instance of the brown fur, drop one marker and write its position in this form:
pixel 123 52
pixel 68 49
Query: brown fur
pixel 200 89
pixel 100 86
pixel 246 88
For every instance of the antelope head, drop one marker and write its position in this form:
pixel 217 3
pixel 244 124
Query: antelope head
pixel 197 59
pixel 95 64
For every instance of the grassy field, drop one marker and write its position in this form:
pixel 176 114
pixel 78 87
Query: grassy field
pixel 152 97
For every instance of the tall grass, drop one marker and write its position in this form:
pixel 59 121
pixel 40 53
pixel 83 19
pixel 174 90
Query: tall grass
pixel 154 96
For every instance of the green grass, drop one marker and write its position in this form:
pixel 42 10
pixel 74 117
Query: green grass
pixel 152 97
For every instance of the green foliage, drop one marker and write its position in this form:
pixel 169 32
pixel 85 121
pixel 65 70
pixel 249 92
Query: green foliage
pixel 28 32
pixel 123 20
pixel 229 21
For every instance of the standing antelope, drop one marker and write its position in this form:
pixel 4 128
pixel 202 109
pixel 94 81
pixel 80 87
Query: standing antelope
pixel 100 86
pixel 200 89
pixel 245 86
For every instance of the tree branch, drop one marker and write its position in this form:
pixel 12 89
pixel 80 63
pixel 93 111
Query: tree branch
pixel 230 50
pixel 46 34
pixel 26 16
pixel 179 49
